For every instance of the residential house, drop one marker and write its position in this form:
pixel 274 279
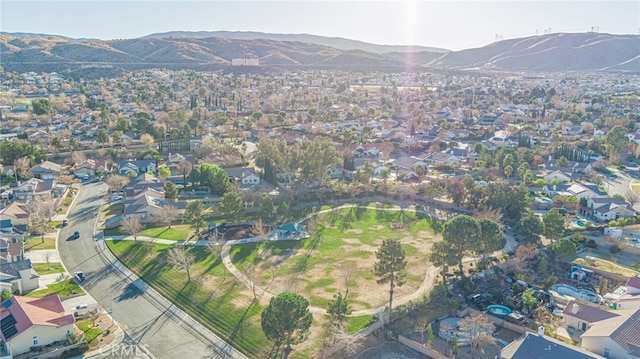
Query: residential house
pixel 18 276
pixel 47 171
pixel 626 296
pixel 11 247
pixel 607 209
pixel 174 160
pixel 245 176
pixel 34 187
pixel 443 159
pixel 559 176
pixel 17 213
pixel 146 207
pixel 88 168
pixel 581 316
pixel 141 183
pixel 136 166
pixel 573 189
pixel 572 130
pixel 616 338
pixel 33 322
pixel 532 346
pixel 456 134
pixel 336 171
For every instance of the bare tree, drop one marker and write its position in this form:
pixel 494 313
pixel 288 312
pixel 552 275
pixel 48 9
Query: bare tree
pixel 179 257
pixel 478 329
pixel 132 226
pixel 632 197
pixel 420 325
pixel 184 168
pixel 22 167
pixel 347 346
pixel 259 229
pixel 41 209
pixel 47 258
pixel 116 182
pixel 166 215
pixel 147 140
pixel 78 157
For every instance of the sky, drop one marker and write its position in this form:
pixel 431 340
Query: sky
pixel 451 24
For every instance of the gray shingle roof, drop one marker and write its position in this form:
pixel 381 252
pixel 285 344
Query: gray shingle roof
pixel 628 334
pixel 532 346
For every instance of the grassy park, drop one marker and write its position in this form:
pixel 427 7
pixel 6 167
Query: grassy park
pixel 342 253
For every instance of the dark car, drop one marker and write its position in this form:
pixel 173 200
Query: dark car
pixel 65 222
pixel 76 235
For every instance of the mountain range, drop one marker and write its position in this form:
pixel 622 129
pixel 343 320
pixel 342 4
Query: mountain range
pixel 215 50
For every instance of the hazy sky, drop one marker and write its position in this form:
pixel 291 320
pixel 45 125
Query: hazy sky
pixel 449 24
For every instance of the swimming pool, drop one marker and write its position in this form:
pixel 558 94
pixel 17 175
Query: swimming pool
pixel 499 310
pixel 565 289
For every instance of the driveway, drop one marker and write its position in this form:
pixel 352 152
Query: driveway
pixel 146 320
pixel 40 256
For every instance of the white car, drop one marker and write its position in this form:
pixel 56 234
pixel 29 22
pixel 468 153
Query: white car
pixel 116 198
pixel 79 276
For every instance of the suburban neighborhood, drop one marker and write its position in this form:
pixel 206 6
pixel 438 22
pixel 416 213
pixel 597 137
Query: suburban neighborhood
pixel 441 214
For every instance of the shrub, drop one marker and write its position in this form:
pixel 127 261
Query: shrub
pixel 614 249
pixel 591 244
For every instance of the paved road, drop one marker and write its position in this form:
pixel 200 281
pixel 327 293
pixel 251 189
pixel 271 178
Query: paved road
pixel 619 185
pixel 139 315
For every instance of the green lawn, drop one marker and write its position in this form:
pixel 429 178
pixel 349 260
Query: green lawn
pixel 213 296
pixel 111 210
pixel 65 288
pixel 356 324
pixel 178 232
pixel 37 243
pixel 91 333
pixel 54 267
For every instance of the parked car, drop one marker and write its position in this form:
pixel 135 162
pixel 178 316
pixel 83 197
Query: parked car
pixel 79 276
pixel 116 198
pixel 76 235
pixel 65 222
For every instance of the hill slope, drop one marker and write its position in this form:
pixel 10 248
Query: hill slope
pixel 554 52
pixel 336 42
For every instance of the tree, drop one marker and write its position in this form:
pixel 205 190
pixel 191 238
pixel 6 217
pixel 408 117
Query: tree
pixel 179 257
pixel 460 233
pixel 430 335
pixel 632 197
pixel 531 227
pixel 41 106
pixel 164 172
pixel 455 191
pixel 286 320
pixel 102 136
pixel 22 167
pixel 132 226
pixel 166 215
pixel 338 308
pixel 390 267
pixel 491 238
pixel 116 182
pixel 564 248
pixel 267 208
pixel 478 328
pixel 184 168
pixel 194 215
pixel 553 224
pixel 47 258
pixel 419 326
pixel 147 140
pixel 528 300
pixel 170 190
pixel 443 255
pixel 214 177
pixel 41 209
pixel 231 206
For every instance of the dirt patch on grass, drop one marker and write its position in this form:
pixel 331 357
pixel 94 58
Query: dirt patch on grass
pixel 355 241
pixel 354 230
pixel 377 227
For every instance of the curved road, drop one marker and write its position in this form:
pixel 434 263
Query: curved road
pixel 147 324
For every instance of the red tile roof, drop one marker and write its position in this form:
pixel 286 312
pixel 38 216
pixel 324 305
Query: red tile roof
pixel 47 311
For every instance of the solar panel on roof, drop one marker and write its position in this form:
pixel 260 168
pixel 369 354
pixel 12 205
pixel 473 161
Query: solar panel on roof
pixel 8 326
pixel 6 303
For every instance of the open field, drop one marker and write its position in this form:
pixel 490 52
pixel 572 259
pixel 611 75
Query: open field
pixel 342 254
pixel 340 257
